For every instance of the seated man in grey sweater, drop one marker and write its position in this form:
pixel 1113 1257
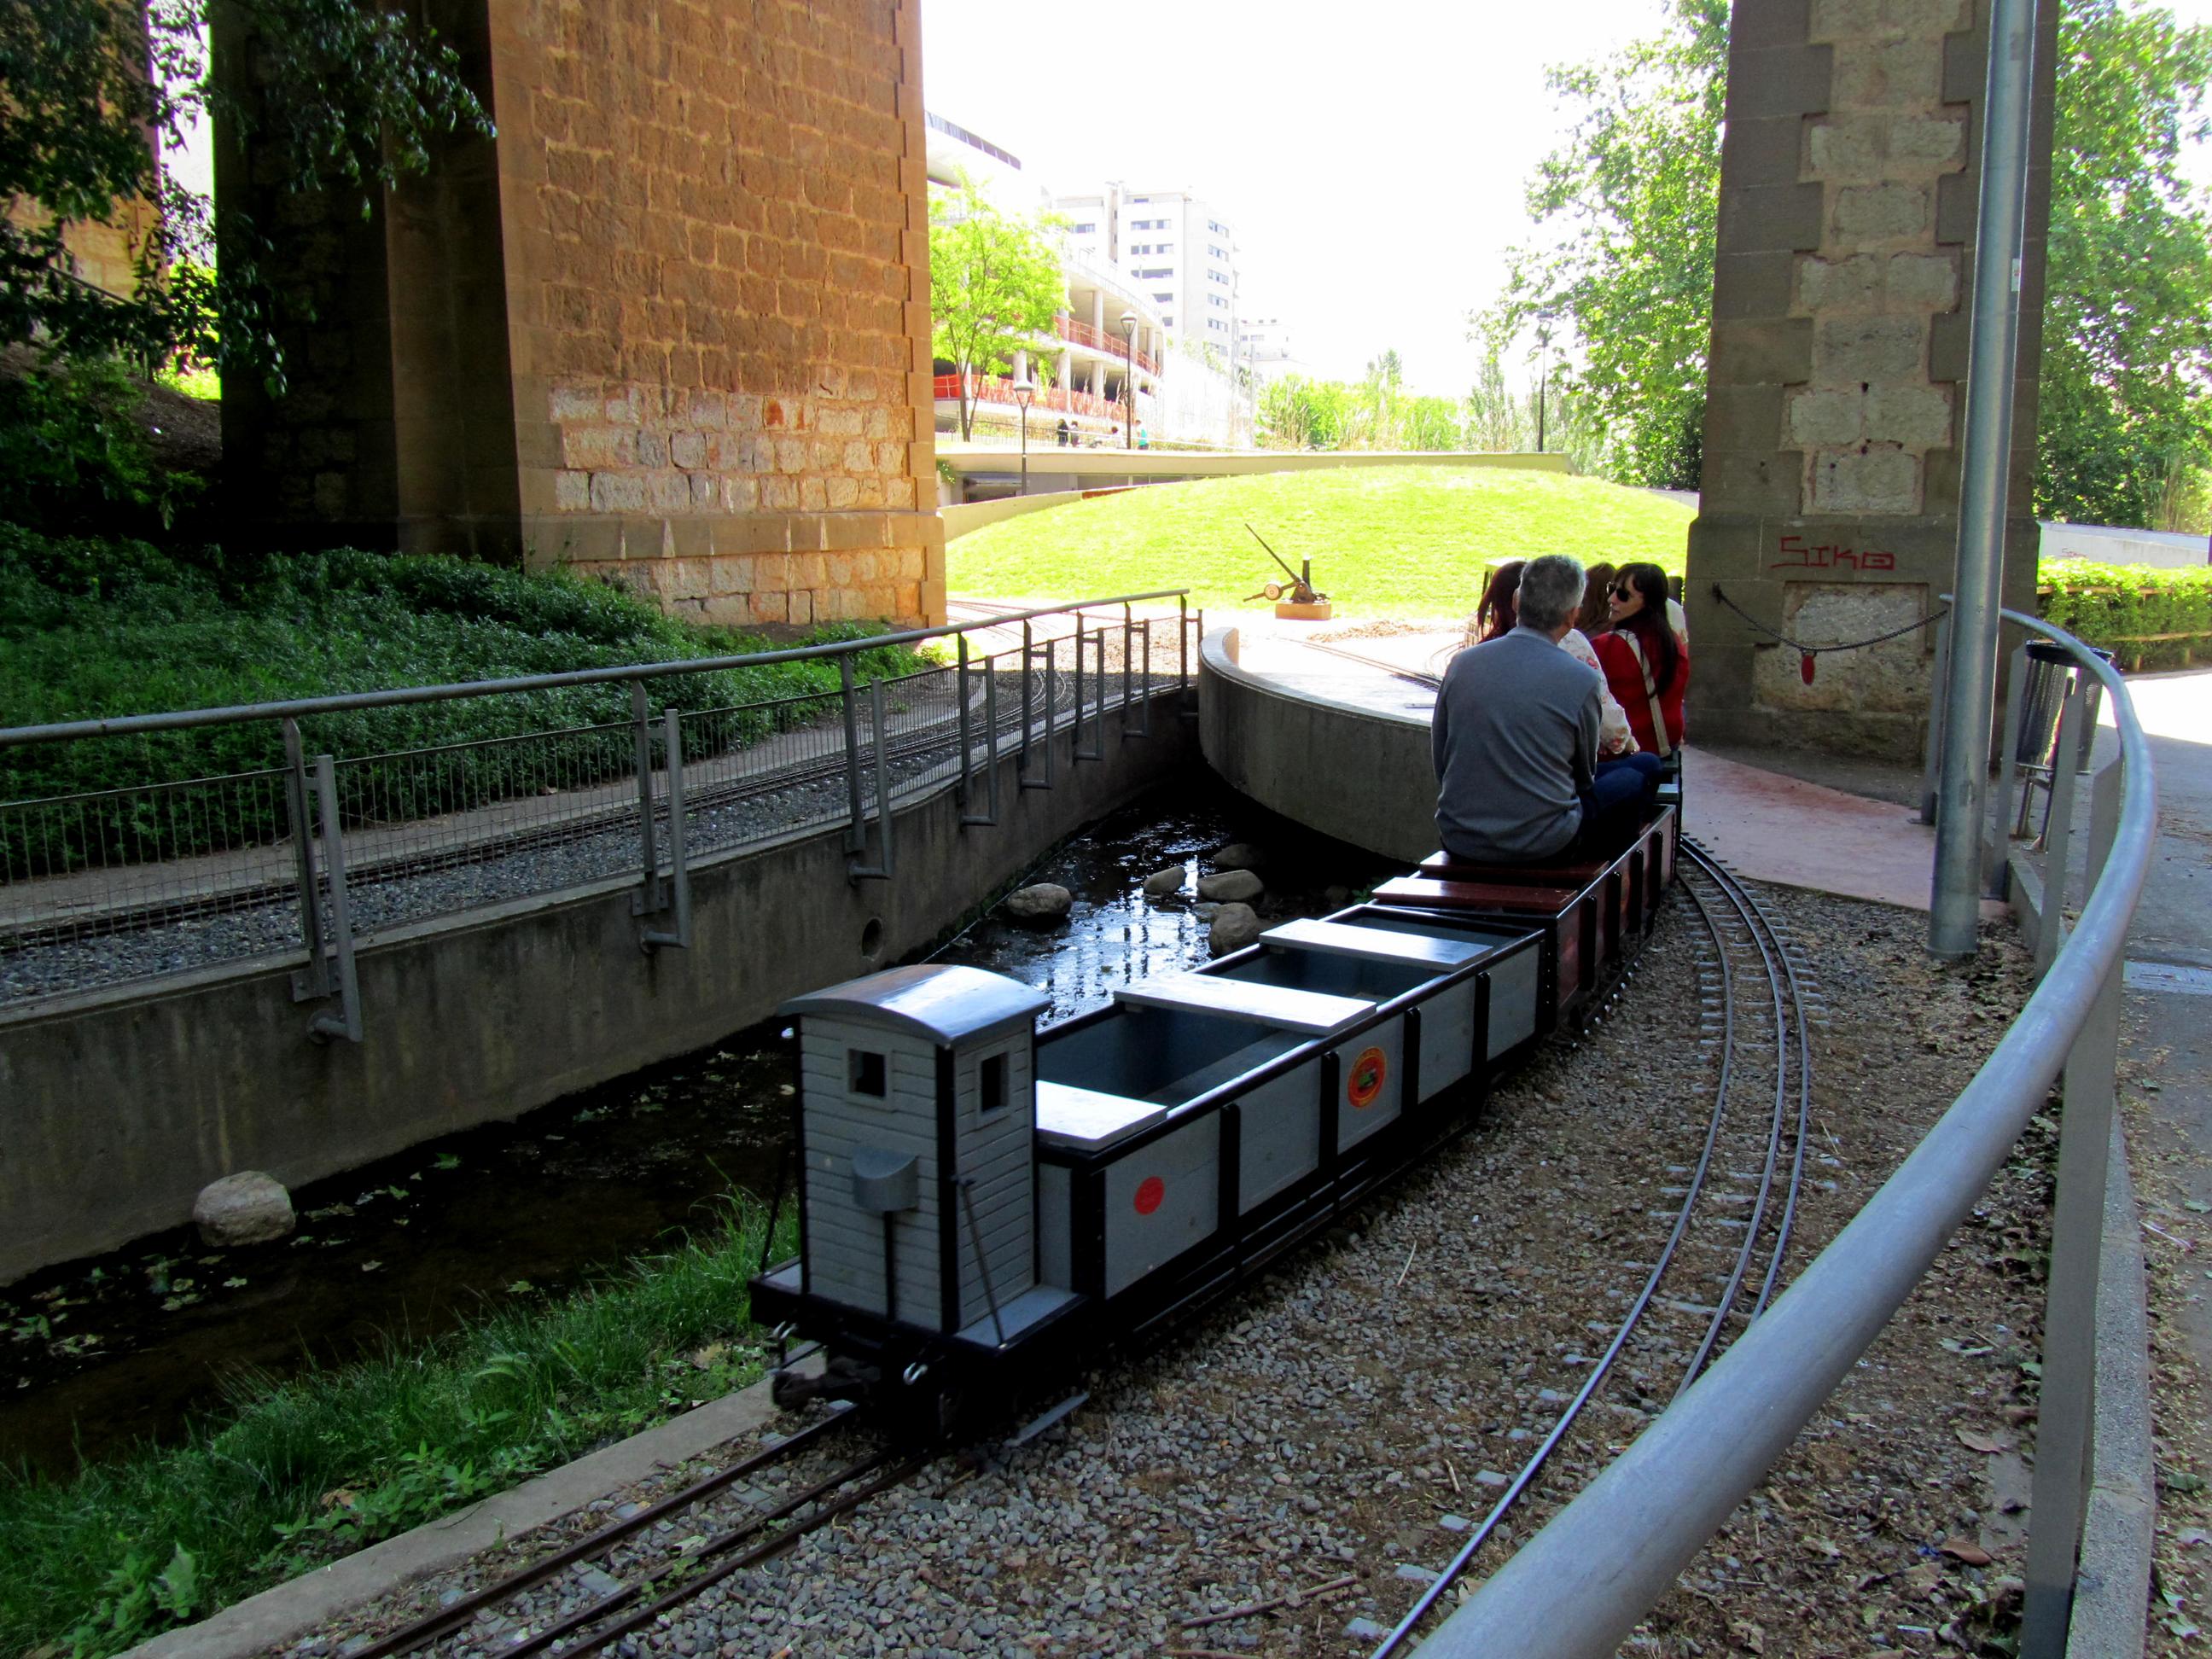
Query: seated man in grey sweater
pixel 1515 740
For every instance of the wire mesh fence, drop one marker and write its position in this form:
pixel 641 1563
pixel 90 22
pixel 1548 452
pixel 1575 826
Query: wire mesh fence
pixel 158 876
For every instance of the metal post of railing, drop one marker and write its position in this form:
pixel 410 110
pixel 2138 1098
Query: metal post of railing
pixel 2060 1493
pixel 1145 681
pixel 677 897
pixel 1022 761
pixel 1128 642
pixel 641 722
pixel 345 1021
pixel 881 869
pixel 856 829
pixel 1997 867
pixel 960 693
pixel 314 981
pixel 2058 834
pixel 1931 766
pixel 1182 642
pixel 1969 689
pixel 990 748
pixel 1075 737
pixel 1051 715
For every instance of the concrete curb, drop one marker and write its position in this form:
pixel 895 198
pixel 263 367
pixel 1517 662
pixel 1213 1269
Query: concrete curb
pixel 304 1606
pixel 2111 1585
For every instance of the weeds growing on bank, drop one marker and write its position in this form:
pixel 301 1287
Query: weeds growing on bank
pixel 300 1473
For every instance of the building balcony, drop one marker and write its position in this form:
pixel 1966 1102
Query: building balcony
pixel 996 390
pixel 1076 332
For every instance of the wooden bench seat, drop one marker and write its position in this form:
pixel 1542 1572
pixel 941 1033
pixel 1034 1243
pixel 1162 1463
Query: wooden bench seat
pixel 1442 866
pixel 1442 894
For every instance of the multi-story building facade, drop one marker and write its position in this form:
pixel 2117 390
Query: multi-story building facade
pixel 1086 379
pixel 1266 351
pixel 1177 248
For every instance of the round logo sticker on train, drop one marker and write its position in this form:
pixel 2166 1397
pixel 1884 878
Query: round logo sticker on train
pixel 1364 1081
pixel 1151 1192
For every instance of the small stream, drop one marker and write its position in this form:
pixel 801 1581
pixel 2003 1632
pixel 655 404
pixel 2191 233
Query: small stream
pixel 99 1354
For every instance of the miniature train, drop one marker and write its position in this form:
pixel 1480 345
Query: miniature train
pixel 980 1200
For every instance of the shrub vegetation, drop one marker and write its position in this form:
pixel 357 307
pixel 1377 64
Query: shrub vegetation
pixel 301 1473
pixel 2146 617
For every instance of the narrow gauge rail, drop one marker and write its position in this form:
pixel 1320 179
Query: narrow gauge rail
pixel 1757 1033
pixel 935 742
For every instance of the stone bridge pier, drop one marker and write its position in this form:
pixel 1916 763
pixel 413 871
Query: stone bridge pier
pixel 672 326
pixel 1842 284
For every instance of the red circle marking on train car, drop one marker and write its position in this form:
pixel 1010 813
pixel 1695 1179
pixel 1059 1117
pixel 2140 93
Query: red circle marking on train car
pixel 1151 1192
pixel 1363 1082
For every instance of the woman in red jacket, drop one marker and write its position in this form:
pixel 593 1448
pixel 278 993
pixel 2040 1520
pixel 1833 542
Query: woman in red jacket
pixel 1646 666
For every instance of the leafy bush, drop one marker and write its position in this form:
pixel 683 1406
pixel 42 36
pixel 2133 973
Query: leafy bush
pixel 91 629
pixel 307 1471
pixel 2146 617
pixel 74 454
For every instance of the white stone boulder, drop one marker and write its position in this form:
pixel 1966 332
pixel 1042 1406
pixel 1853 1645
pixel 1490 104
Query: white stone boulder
pixel 1230 886
pixel 245 1208
pixel 1236 856
pixel 1161 882
pixel 1038 905
pixel 1234 927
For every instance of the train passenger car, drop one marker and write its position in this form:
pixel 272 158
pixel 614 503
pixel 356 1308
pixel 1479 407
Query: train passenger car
pixel 978 1200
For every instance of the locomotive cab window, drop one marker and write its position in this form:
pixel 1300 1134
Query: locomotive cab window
pixel 865 1073
pixel 991 1084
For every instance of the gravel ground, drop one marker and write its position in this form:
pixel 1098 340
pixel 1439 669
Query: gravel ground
pixel 106 955
pixel 1347 1414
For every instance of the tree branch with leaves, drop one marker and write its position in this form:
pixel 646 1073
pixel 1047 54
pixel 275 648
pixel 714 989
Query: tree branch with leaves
pixel 995 287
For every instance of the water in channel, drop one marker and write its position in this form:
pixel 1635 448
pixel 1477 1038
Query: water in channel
pixel 99 1354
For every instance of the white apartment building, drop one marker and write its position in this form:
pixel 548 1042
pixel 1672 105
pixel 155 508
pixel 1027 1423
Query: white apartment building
pixel 1175 247
pixel 1266 350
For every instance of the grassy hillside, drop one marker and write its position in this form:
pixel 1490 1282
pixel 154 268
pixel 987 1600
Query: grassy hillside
pixel 1400 541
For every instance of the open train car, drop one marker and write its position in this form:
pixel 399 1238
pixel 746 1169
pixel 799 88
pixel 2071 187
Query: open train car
pixel 980 1201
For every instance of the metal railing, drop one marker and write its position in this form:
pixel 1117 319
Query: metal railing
pixel 334 831
pixel 1577 1589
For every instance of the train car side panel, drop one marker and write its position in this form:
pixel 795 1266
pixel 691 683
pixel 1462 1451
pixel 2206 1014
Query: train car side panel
pixel 1161 1199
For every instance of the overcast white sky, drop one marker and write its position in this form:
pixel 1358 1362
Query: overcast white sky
pixel 1373 157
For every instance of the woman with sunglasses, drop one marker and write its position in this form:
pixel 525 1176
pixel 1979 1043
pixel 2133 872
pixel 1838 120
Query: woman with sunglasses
pixel 1646 664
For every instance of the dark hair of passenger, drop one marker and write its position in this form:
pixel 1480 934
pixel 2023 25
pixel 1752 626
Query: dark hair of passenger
pixel 1595 618
pixel 1500 608
pixel 1649 625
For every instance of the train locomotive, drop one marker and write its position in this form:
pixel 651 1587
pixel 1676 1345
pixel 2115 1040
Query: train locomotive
pixel 980 1202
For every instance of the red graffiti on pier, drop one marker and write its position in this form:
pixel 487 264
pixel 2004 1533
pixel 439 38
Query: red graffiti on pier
pixel 1830 556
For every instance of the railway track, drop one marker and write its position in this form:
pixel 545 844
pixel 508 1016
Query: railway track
pixel 625 1576
pixel 1729 1234
pixel 937 739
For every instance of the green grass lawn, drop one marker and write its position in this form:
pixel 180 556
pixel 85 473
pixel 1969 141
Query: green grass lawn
pixel 1397 541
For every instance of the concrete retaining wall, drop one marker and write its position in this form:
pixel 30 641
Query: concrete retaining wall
pixel 1055 469
pixel 116 1108
pixel 1360 774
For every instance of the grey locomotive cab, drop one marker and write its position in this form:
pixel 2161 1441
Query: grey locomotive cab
pixel 918 1114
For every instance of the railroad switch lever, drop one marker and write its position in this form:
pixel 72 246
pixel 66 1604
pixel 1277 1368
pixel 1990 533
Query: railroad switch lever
pixel 1312 605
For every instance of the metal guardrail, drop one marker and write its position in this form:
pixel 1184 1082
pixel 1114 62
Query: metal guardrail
pixel 160 875
pixel 1577 1589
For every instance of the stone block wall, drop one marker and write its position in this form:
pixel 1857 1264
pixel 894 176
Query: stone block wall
pixel 1830 508
pixel 670 328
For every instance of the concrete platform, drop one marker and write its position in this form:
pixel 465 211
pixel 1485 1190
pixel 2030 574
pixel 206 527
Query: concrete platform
pixel 1323 710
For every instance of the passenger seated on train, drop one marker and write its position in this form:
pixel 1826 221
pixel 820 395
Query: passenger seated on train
pixel 1515 740
pixel 1494 617
pixel 1646 662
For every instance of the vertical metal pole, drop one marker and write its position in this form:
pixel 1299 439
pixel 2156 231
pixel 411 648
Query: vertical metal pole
pixel 1182 642
pixel 991 736
pixel 2058 837
pixel 1999 881
pixel 641 720
pixel 1023 765
pixel 316 981
pixel 961 795
pixel 1128 640
pixel 1970 688
pixel 1075 738
pixel 2060 1493
pixel 1932 765
pixel 679 895
pixel 856 827
pixel 882 778
pixel 346 1021
pixel 1145 630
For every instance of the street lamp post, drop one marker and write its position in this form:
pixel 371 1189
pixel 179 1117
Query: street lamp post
pixel 1024 389
pixel 1544 320
pixel 1129 378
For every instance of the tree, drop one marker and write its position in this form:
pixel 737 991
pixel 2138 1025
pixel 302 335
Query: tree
pixel 1636 193
pixel 350 96
pixel 2125 425
pixel 995 287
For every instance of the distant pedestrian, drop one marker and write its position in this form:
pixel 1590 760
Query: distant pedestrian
pixel 1143 438
pixel 1063 432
